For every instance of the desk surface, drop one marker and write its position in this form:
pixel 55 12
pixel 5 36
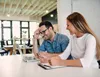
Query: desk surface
pixel 13 66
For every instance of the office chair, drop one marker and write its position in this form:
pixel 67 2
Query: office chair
pixel 29 45
pixel 3 51
pixel 7 43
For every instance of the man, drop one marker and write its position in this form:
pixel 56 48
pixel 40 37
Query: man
pixel 53 44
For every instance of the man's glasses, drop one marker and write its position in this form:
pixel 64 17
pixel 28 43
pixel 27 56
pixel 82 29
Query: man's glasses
pixel 43 31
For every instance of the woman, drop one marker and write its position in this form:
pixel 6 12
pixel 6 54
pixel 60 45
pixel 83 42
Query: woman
pixel 84 45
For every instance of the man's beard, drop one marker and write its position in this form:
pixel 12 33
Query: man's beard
pixel 46 37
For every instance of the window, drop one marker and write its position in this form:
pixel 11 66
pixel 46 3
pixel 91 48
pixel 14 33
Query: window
pixel 24 24
pixel 6 23
pixel 19 29
pixel 6 28
pixel 7 34
pixel 0 31
pixel 0 34
pixel 33 27
pixel 16 30
pixel 24 34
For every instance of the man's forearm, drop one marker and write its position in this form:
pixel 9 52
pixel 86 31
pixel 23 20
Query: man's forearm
pixel 54 54
pixel 35 47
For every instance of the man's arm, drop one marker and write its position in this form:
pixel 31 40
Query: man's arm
pixel 49 55
pixel 35 46
pixel 54 54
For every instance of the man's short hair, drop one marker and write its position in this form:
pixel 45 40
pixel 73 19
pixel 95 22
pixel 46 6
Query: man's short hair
pixel 47 24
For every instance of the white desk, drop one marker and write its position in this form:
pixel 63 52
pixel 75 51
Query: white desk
pixel 13 66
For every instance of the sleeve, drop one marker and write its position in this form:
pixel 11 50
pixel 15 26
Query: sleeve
pixel 67 51
pixel 90 52
pixel 64 43
pixel 42 47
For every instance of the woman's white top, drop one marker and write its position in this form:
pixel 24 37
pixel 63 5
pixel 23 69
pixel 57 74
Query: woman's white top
pixel 83 48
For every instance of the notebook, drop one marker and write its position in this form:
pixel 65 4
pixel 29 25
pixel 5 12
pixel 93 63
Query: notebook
pixel 46 66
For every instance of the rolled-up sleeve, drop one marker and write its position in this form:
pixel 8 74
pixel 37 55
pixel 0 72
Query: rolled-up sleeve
pixel 64 43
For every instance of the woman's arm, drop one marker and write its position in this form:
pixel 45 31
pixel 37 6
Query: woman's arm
pixel 59 62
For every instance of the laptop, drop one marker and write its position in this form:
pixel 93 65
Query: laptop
pixel 25 57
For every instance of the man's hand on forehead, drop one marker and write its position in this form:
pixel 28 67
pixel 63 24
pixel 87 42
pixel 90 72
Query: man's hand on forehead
pixel 39 29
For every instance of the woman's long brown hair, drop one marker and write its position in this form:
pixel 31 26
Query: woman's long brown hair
pixel 81 25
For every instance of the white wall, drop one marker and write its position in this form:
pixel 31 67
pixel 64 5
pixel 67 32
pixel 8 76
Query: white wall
pixel 63 9
pixel 90 9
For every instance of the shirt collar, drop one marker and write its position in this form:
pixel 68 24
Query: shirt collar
pixel 55 37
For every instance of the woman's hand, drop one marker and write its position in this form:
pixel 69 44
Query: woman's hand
pixel 57 61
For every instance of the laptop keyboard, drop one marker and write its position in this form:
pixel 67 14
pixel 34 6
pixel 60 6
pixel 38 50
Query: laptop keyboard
pixel 29 58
